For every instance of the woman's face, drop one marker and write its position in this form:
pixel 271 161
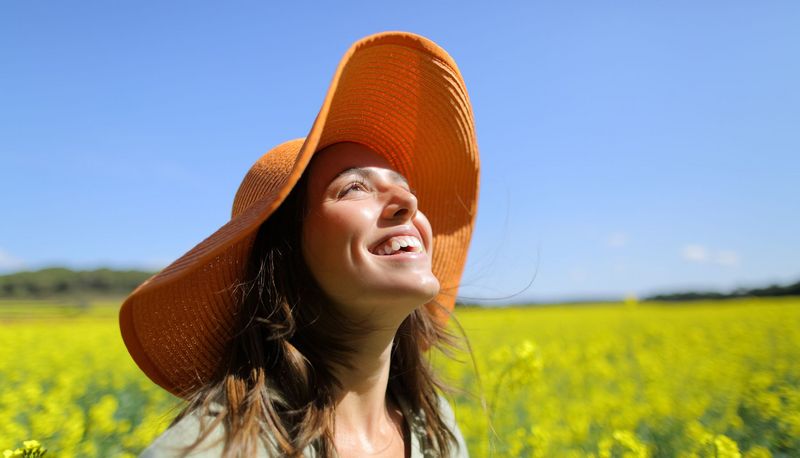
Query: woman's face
pixel 358 208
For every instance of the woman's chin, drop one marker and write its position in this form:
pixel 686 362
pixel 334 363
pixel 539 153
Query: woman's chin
pixel 422 287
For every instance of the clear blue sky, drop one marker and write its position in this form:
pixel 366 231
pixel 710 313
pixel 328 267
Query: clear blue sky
pixel 626 147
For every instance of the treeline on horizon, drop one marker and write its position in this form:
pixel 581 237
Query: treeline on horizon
pixel 68 284
pixel 63 283
pixel 769 291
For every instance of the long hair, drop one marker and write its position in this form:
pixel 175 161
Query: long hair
pixel 276 388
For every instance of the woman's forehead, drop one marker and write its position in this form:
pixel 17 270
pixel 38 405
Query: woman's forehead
pixel 349 158
pixel 369 173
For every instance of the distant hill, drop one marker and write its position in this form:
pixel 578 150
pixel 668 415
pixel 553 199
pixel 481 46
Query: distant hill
pixel 58 282
pixel 63 283
pixel 770 291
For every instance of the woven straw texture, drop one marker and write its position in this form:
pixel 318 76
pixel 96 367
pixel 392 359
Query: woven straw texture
pixel 398 93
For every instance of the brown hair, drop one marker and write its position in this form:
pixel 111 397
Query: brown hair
pixel 276 386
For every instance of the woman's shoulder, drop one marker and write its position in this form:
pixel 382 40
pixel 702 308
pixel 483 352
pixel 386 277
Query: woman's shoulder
pixel 184 433
pixel 447 411
pixel 449 418
pixel 416 422
pixel 172 442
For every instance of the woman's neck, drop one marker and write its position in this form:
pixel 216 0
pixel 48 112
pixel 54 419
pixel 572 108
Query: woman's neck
pixel 364 419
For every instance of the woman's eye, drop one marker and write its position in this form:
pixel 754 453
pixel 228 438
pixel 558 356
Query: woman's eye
pixel 351 186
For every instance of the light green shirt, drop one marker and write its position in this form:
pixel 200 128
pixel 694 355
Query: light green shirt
pixel 186 431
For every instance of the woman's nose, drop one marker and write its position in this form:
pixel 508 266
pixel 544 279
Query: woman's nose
pixel 402 204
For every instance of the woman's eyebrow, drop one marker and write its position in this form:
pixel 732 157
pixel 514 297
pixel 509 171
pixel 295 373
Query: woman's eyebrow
pixel 368 174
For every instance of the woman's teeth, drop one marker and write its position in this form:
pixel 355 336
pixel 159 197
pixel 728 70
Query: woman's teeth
pixel 394 245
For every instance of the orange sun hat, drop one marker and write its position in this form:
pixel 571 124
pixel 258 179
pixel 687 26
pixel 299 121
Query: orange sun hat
pixel 398 93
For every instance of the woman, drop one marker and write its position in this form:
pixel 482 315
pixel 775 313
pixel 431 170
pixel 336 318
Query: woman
pixel 300 327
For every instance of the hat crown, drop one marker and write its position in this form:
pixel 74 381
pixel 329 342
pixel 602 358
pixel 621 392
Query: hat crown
pixel 267 176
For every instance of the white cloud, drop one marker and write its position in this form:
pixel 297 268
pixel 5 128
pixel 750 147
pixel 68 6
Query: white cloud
pixel 695 253
pixel 9 262
pixel 618 239
pixel 701 254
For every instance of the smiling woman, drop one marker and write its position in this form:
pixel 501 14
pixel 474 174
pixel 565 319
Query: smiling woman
pixel 349 221
pixel 300 327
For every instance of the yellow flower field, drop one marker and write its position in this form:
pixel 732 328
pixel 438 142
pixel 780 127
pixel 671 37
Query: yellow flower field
pixel 716 379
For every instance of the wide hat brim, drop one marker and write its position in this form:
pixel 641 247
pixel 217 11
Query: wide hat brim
pixel 399 94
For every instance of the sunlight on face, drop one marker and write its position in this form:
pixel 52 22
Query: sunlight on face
pixel 356 201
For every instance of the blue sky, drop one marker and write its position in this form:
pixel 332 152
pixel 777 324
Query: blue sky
pixel 626 147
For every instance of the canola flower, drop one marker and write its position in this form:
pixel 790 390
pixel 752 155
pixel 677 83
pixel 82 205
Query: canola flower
pixel 700 380
pixel 70 384
pixel 30 449
pixel 715 379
